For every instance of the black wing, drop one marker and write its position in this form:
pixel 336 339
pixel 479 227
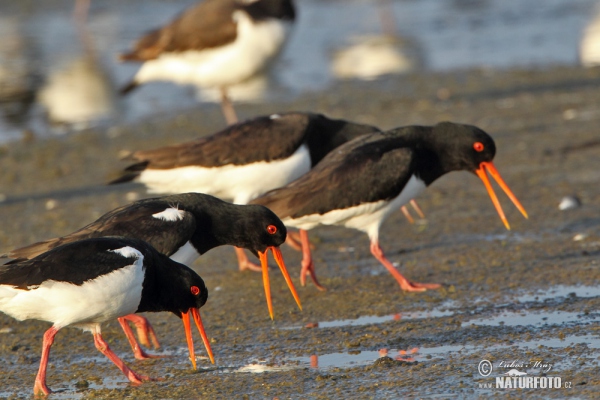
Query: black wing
pixel 74 262
pixel 260 139
pixel 135 221
pixel 367 169
pixel 206 25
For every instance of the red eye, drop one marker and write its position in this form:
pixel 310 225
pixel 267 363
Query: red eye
pixel 478 146
pixel 195 290
pixel 272 229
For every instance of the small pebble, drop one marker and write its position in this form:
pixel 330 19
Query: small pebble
pixel 132 196
pixel 580 236
pixel 569 203
pixel 51 204
pixel 6 330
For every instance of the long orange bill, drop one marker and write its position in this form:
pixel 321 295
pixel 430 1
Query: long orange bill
pixel 185 317
pixel 265 273
pixel 196 314
pixel 279 260
pixel 481 173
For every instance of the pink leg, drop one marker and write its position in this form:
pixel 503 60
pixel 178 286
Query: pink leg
pixel 227 108
pixel 244 263
pixel 144 330
pixel 293 240
pixel 414 204
pixel 308 267
pixel 407 215
pixel 405 284
pixel 102 346
pixel 138 352
pixel 40 388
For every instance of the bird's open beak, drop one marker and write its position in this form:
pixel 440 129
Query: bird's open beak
pixel 481 173
pixel 188 334
pixel 265 272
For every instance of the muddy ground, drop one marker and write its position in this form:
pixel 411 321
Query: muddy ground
pixel 519 296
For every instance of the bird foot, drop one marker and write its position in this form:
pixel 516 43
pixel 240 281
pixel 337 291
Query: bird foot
pixel 409 286
pixel 308 268
pixel 140 354
pixel 40 389
pixel 247 265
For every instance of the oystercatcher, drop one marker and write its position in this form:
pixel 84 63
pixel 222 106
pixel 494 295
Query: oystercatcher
pixel 364 180
pixel 216 43
pixel 244 160
pixel 88 282
pixel 183 227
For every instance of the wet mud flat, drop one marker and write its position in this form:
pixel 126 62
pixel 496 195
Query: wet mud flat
pixel 528 297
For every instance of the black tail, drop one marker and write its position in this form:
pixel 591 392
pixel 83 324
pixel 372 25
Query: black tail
pixel 131 172
pixel 128 88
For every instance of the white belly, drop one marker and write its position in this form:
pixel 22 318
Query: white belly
pixel 366 217
pixel 104 298
pixel 255 46
pixel 186 254
pixel 241 183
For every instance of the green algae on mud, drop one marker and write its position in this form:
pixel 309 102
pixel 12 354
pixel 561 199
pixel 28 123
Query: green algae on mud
pixel 545 124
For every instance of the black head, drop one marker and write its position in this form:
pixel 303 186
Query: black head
pixel 455 147
pixel 259 228
pixel 170 286
pixel 462 147
pixel 263 9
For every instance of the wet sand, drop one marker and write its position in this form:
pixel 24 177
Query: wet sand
pixel 507 296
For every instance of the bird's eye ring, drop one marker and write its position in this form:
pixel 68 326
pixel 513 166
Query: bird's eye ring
pixel 195 290
pixel 478 146
pixel 272 229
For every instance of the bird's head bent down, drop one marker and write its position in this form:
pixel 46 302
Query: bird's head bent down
pixel 271 234
pixel 182 293
pixel 468 148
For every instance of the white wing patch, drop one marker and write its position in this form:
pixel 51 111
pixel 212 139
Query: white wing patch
pixel 170 214
pixel 186 254
pixel 129 252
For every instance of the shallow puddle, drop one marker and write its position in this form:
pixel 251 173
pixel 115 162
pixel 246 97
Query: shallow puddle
pixel 561 291
pixel 523 318
pixel 444 310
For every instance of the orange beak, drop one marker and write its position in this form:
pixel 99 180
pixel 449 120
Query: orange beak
pixel 481 173
pixel 185 317
pixel 265 272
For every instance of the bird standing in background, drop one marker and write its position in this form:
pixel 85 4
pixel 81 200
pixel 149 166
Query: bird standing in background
pixel 216 43
pixel 366 179
pixel 88 282
pixel 183 227
pixel 244 160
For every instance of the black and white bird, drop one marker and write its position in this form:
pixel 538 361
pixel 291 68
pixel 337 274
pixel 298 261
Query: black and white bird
pixel 88 282
pixel 364 180
pixel 217 43
pixel 244 160
pixel 183 227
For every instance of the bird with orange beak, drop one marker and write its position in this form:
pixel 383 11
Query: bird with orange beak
pixel 88 282
pixel 360 183
pixel 183 227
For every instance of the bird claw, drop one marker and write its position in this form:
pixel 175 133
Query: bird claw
pixel 308 268
pixel 409 286
pixel 250 266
